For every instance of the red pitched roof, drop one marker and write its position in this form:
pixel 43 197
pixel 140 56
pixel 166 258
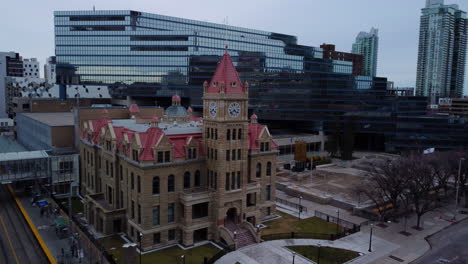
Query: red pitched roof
pixel 255 130
pixel 134 109
pixel 97 126
pixel 176 98
pixel 119 134
pixel 148 140
pixel 226 74
pixel 179 142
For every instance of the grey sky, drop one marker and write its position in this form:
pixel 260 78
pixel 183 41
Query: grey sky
pixel 27 26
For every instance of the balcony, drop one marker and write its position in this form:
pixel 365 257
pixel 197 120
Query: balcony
pixel 195 195
pixel 254 186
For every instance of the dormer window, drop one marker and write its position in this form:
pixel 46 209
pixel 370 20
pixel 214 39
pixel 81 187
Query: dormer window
pixel 192 153
pixel 108 145
pixel 163 156
pixel 233 84
pixel 160 156
pixel 167 156
pixel 264 146
pixel 135 154
pixel 215 84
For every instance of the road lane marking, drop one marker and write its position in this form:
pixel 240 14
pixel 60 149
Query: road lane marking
pixel 33 228
pixel 9 240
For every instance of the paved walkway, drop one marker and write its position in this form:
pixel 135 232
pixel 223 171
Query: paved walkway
pixel 46 228
pixel 312 206
pixel 276 251
pixel 388 245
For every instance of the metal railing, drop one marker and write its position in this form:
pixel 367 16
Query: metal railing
pixel 300 235
pixel 291 204
pixel 219 255
pixel 346 225
pixel 91 247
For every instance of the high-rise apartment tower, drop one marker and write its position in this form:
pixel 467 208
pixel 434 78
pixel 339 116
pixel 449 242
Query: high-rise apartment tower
pixel 442 51
pixel 367 45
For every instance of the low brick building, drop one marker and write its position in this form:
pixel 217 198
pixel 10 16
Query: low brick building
pixel 177 178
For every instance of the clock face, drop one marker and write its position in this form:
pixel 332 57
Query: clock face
pixel 213 109
pixel 234 109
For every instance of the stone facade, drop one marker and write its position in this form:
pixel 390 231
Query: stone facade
pixel 182 180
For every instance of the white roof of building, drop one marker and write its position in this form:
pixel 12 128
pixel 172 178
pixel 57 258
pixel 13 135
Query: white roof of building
pixel 192 127
pixel 37 154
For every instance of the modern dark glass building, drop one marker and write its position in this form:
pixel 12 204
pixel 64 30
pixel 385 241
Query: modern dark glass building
pixel 151 57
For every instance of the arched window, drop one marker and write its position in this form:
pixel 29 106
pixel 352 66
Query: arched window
pixel 268 169
pixel 170 183
pixel 234 134
pixel 239 135
pixel 228 134
pixel 186 180
pixel 207 133
pixel 197 178
pixel 259 170
pixel 156 185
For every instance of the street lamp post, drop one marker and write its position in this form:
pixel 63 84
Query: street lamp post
pixel 294 256
pixel 370 238
pixel 338 221
pixel 457 185
pixel 300 207
pixel 140 236
pixel 318 254
pixel 183 259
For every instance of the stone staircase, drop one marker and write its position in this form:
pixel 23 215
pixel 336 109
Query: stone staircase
pixel 244 236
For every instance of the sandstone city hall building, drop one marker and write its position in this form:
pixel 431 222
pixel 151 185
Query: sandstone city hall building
pixel 174 178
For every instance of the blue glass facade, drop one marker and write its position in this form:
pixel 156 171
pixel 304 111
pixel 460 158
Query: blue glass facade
pixel 153 56
pixel 142 54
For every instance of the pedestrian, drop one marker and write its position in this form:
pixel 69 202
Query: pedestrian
pixel 72 249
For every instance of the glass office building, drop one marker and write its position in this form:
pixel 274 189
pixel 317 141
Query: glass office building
pixel 147 55
pixel 151 57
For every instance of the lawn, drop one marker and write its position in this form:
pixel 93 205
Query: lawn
pixel 77 205
pixel 173 254
pixel 328 255
pixel 288 223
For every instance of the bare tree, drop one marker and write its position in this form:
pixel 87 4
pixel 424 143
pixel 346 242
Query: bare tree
pixel 376 196
pixel 385 185
pixel 420 185
pixel 440 163
pixel 454 161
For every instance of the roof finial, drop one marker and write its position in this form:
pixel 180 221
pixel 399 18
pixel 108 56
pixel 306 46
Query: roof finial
pixel 226 49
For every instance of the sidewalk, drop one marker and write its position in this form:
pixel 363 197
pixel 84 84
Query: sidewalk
pixel 414 246
pixel 388 245
pixel 312 206
pixel 46 228
pixel 276 251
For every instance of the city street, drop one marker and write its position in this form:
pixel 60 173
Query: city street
pixel 448 245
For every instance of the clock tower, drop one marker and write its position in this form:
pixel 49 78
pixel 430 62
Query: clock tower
pixel 225 135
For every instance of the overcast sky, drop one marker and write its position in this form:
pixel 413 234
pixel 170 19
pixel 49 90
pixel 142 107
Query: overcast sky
pixel 27 26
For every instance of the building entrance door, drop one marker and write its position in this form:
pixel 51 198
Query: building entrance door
pixel 231 216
